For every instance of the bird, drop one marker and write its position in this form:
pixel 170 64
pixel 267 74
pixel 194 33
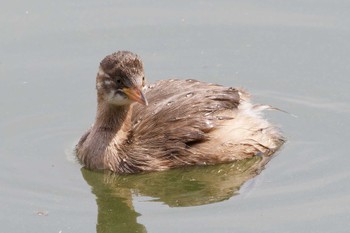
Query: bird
pixel 171 123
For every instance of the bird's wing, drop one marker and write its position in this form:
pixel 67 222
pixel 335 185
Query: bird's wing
pixel 180 114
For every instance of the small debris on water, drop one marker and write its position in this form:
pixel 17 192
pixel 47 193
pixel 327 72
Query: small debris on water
pixel 41 212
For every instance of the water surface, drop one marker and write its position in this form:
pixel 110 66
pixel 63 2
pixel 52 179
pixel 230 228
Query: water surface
pixel 292 54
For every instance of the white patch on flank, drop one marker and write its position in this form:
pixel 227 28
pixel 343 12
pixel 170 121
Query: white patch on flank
pixel 248 109
pixel 246 106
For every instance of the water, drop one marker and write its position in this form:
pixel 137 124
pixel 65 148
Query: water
pixel 293 55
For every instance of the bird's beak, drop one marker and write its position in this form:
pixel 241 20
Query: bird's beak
pixel 135 94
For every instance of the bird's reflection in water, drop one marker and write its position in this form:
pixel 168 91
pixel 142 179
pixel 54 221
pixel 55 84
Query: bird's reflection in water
pixel 188 186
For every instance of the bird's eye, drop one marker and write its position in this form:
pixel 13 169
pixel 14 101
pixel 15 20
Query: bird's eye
pixel 118 81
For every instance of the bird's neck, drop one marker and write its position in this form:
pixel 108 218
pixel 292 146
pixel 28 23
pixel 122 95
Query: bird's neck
pixel 100 149
pixel 111 118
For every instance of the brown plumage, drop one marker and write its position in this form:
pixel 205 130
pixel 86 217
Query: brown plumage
pixel 175 122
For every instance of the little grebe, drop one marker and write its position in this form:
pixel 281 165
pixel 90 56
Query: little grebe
pixel 175 122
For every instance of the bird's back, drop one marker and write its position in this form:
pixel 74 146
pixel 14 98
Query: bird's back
pixel 189 122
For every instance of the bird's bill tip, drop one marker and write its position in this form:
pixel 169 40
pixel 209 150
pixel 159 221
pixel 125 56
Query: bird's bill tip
pixel 136 95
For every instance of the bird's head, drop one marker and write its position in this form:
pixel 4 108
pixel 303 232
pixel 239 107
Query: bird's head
pixel 120 79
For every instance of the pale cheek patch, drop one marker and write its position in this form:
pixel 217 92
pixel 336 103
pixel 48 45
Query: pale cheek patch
pixel 101 72
pixel 99 85
pixel 118 99
pixel 100 81
pixel 107 82
pixel 103 84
